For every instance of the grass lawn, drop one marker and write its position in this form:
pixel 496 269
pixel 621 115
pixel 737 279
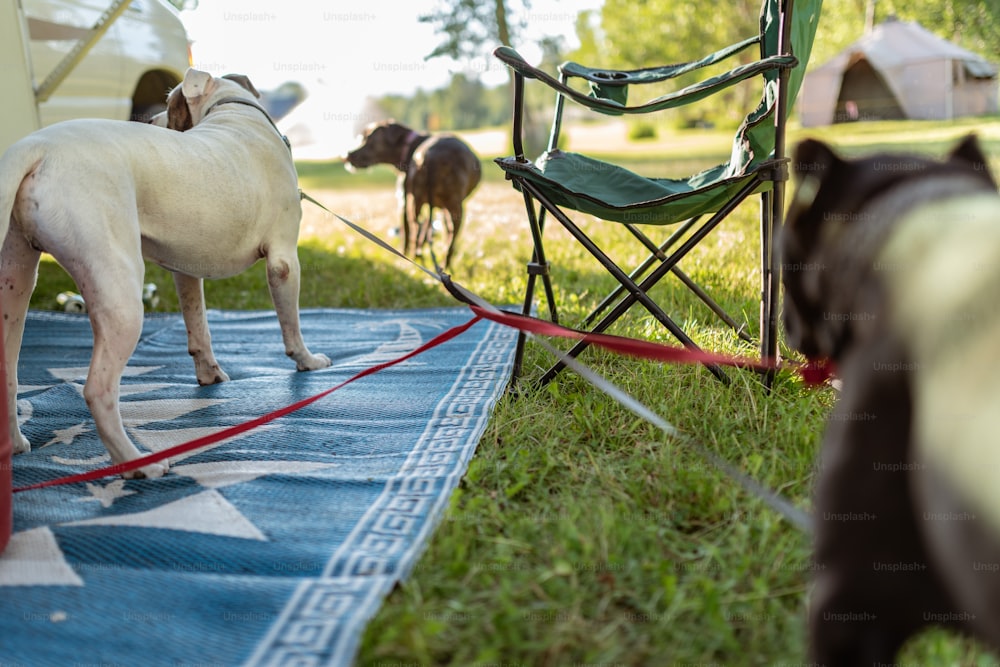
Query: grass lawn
pixel 582 535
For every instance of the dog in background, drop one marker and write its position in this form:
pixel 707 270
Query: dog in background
pixel 892 270
pixel 436 171
pixel 100 196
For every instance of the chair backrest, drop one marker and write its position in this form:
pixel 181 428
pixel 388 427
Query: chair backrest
pixel 758 152
pixel 787 31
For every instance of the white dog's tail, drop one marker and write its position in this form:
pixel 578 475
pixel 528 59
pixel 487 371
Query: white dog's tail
pixel 15 164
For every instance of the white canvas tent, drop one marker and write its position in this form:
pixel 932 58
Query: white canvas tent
pixel 899 70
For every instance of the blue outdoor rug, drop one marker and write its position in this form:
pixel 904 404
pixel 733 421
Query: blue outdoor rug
pixel 272 548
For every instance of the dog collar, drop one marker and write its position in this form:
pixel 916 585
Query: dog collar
pixel 413 140
pixel 249 103
pixel 870 228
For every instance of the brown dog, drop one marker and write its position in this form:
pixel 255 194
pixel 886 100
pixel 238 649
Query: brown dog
pixel 891 269
pixel 435 171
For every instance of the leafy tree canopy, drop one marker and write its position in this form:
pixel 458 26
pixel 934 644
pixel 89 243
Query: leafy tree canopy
pixel 642 33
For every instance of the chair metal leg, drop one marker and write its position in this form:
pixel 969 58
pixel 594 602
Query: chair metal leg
pixel 639 292
pixel 629 291
pixel 659 253
pixel 656 254
pixel 550 297
pixel 537 267
pixel 774 298
pixel 765 281
pixel 772 203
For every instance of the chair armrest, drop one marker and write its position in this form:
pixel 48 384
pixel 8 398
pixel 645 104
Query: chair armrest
pixel 687 95
pixel 651 74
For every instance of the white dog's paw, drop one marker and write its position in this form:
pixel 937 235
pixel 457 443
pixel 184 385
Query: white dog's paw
pixel 209 372
pixel 152 471
pixel 312 362
pixel 21 444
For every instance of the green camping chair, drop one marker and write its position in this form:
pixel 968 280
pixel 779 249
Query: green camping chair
pixel 559 181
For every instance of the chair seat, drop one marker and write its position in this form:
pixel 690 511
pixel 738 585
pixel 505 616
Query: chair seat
pixel 612 192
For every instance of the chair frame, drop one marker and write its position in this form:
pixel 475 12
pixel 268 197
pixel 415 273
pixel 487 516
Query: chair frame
pixel 768 178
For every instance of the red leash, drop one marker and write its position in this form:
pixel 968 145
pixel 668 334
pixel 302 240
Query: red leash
pixel 204 441
pixel 812 373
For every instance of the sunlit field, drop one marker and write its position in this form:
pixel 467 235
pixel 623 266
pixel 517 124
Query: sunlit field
pixel 581 534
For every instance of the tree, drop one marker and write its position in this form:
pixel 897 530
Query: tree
pixel 972 24
pixel 627 34
pixel 642 33
pixel 470 26
pixel 472 29
pixel 659 32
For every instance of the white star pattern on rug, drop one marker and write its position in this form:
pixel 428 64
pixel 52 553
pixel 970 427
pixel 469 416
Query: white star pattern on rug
pixel 65 435
pixel 273 548
pixel 206 512
pixel 226 473
pixel 33 558
pixel 106 494
pixel 408 340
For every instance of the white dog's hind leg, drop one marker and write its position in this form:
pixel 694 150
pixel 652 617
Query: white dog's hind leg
pixel 18 272
pixel 117 324
pixel 283 281
pixel 191 293
pixel 112 289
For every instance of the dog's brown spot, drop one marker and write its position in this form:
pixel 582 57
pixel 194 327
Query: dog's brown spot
pixel 178 113
pixel 278 272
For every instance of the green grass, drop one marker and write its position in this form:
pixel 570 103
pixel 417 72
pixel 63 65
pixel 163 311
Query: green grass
pixel 581 534
pixel 682 152
pixel 332 174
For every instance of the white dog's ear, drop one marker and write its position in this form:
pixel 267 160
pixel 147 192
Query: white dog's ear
pixel 178 112
pixel 196 83
pixel 244 81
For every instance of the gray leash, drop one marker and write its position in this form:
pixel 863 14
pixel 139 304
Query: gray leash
pixel 795 515
pixel 250 103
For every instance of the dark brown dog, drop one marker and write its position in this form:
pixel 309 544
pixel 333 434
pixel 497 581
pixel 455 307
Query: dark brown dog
pixel 892 269
pixel 435 171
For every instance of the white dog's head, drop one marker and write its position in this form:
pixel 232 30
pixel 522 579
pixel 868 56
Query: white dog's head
pixel 188 102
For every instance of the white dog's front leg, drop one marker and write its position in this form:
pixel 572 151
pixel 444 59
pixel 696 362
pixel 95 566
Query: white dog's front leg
pixel 191 294
pixel 283 281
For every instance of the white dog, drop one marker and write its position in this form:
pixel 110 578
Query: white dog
pixel 100 196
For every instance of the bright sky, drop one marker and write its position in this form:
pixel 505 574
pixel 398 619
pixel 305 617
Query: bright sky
pixel 342 53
